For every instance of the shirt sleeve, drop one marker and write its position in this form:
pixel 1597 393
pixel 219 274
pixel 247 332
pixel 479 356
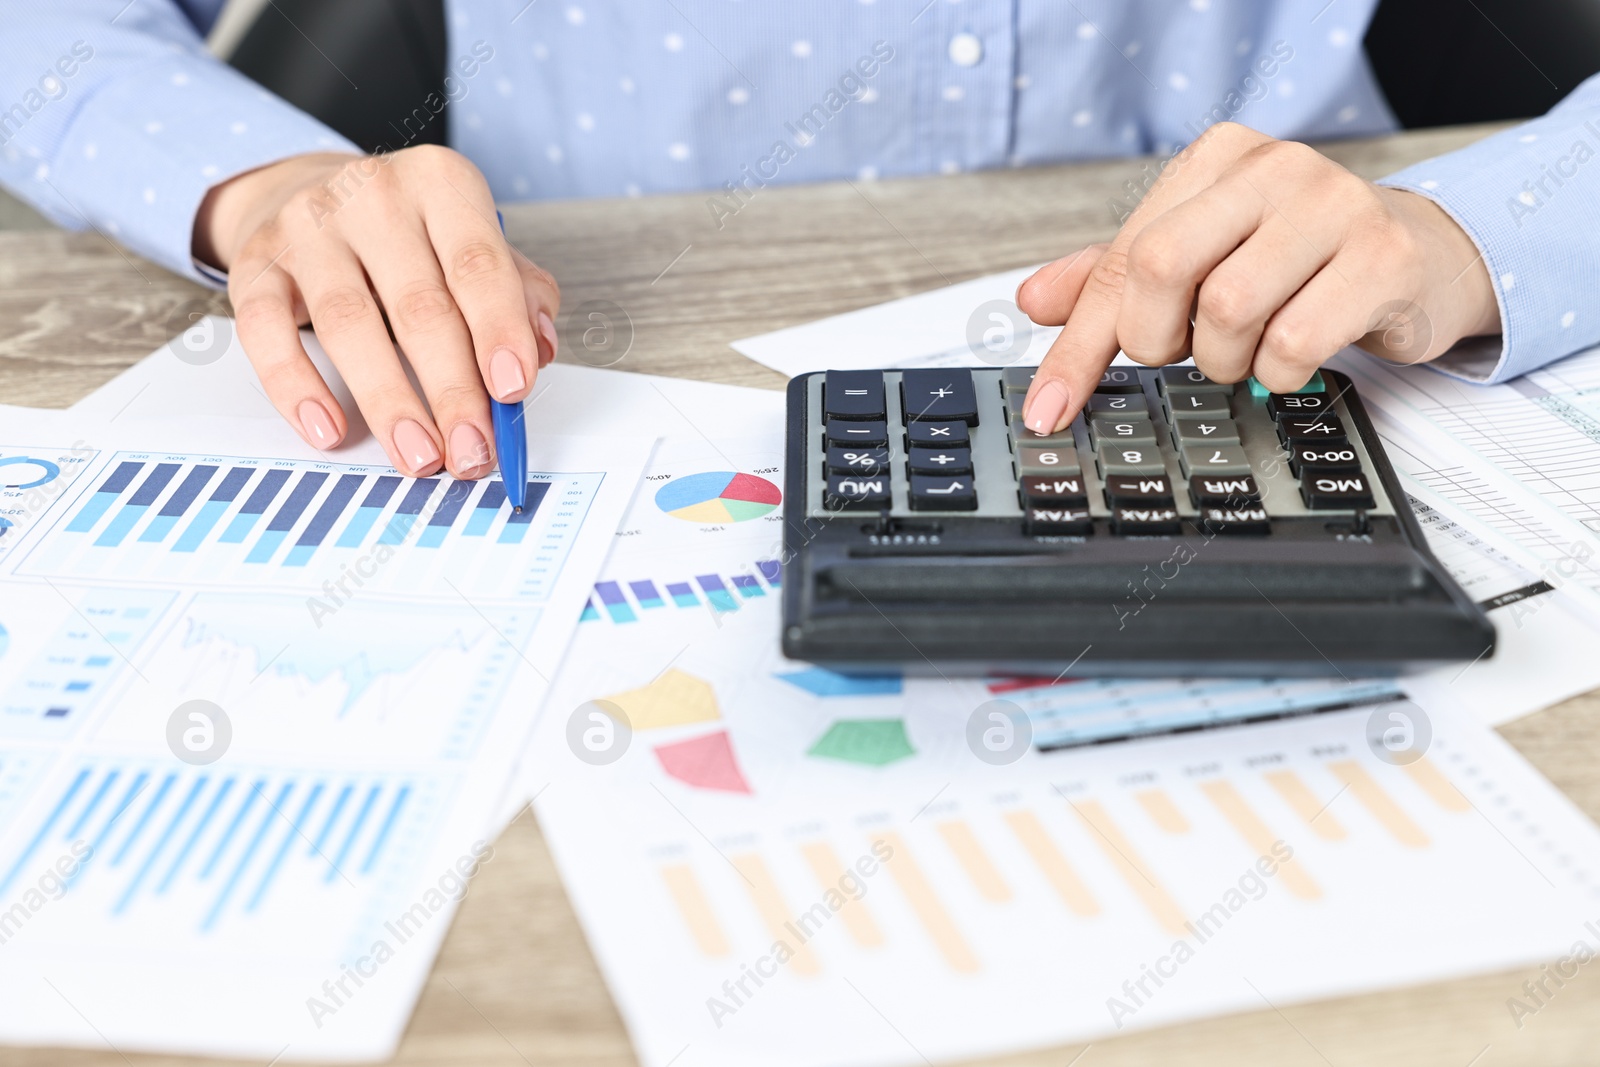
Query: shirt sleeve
pixel 114 116
pixel 1529 197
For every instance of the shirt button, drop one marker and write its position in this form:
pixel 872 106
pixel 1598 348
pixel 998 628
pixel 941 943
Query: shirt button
pixel 965 50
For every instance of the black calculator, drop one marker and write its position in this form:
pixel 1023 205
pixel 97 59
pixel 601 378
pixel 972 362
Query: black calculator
pixel 1179 526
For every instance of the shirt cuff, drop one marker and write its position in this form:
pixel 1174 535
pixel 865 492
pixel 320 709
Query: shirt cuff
pixel 1529 198
pixel 146 148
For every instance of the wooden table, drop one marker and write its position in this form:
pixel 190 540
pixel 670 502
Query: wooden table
pixel 515 982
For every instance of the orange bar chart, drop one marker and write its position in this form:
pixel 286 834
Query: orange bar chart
pixel 1258 836
pixel 1138 874
pixel 969 852
pixel 695 909
pixel 1293 789
pixel 929 909
pixel 824 863
pixel 1379 803
pixel 1050 861
pixel 768 898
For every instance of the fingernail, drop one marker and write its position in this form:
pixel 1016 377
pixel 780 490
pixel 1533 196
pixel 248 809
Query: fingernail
pixel 547 330
pixel 505 374
pixel 1047 406
pixel 414 445
pixel 470 452
pixel 316 425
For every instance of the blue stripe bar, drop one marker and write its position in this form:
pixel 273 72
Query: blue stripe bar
pixel 265 546
pixel 410 507
pixel 336 867
pixel 44 829
pixel 322 522
pixel 489 505
pixel 244 860
pixel 233 827
pixel 283 849
pixel 94 802
pixel 383 831
pixel 300 498
pixel 359 526
pixel 748 587
pixel 255 506
pixel 204 520
pixel 188 490
pixel 771 570
pixel 161 846
pixel 194 836
pixel 119 526
pixel 157 529
pixel 134 789
pixel 717 593
pixel 104 496
pixel 649 596
pixel 137 504
pixel 333 817
pixel 144 819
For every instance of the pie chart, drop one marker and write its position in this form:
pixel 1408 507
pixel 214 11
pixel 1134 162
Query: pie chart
pixel 718 497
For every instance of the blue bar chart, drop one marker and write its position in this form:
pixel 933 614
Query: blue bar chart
pixel 626 602
pixel 312 525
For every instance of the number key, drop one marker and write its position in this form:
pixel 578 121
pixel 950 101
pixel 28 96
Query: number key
pixel 1190 431
pixel 1205 405
pixel 1215 459
pixel 1318 457
pixel 1049 461
pixel 1190 380
pixel 1119 380
pixel 1123 405
pixel 1130 459
pixel 1114 428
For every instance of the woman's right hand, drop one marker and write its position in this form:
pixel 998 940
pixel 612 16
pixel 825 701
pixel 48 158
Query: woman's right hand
pixel 340 241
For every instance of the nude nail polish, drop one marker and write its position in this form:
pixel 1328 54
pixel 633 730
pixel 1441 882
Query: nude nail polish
pixel 547 330
pixel 469 452
pixel 1047 407
pixel 316 424
pixel 414 445
pixel 505 374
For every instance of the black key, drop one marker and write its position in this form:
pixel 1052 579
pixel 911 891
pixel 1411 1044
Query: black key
pixel 1119 380
pixel 862 434
pixel 1325 428
pixel 939 396
pixel 866 461
pixel 935 493
pixel 854 394
pixel 856 492
pixel 1223 491
pixel 1136 491
pixel 1281 404
pixel 1058 491
pixel 1236 520
pixel 940 461
pixel 939 434
pixel 1145 520
pixel 1055 519
pixel 1320 457
pixel 1335 490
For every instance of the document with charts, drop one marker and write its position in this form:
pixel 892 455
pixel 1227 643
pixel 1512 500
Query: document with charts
pixel 258 709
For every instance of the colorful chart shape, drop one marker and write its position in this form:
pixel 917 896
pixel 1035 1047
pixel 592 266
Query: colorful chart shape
pixel 5 524
pixel 870 741
pixel 674 699
pixel 26 472
pixel 718 497
pixel 704 762
pixel 821 682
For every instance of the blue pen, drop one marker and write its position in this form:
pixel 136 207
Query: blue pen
pixel 511 440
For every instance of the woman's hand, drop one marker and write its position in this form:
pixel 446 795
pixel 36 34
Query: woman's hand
pixel 341 242
pixel 1263 258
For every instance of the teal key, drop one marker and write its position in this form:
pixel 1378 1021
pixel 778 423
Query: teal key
pixel 1315 385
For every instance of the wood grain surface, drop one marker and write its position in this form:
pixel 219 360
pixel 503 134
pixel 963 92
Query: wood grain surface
pixel 515 982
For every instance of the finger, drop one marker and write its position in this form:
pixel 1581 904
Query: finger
pixel 1080 354
pixel 345 316
pixel 485 282
pixel 264 307
pixel 540 291
pixel 431 332
pixel 1315 323
pixel 1047 295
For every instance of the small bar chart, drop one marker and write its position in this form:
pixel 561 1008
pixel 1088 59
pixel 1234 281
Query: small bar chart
pixel 317 526
pixel 628 601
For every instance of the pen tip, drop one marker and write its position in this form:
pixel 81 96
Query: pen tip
pixel 518 510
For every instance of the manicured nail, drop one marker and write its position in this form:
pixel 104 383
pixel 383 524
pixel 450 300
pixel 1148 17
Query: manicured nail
pixel 469 452
pixel 1047 407
pixel 414 445
pixel 547 330
pixel 505 374
pixel 316 425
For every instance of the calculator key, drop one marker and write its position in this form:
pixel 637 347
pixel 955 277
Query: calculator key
pixel 1320 458
pixel 1250 519
pixel 1057 520
pixel 935 493
pixel 1056 490
pixel 1314 385
pixel 1139 490
pixel 1298 404
pixel 1210 490
pixel 1120 380
pixel 847 460
pixel 1025 436
pixel 940 461
pixel 1144 520
pixel 1129 459
pixel 1325 428
pixel 1014 404
pixel 853 491
pixel 1333 490
pixel 1116 428
pixel 1190 380
pixel 1049 461
pixel 1204 405
pixel 1215 459
pixel 1126 405
pixel 1193 431
pixel 854 394
pixel 1018 379
pixel 862 434
pixel 944 395
pixel 937 433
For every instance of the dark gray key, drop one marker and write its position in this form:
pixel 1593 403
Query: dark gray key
pixel 1144 520
pixel 1323 429
pixel 1018 379
pixel 1315 456
pixel 1056 490
pixel 1048 461
pixel 940 461
pixel 1190 380
pixel 854 394
pixel 858 434
pixel 1052 519
pixel 1139 490
pixel 1129 459
pixel 1205 405
pixel 1116 428
pixel 935 493
pixel 940 434
pixel 1336 490
pixel 847 460
pixel 1250 519
pixel 943 395
pixel 1125 405
pixel 1120 380
pixel 1211 490
pixel 1299 404
pixel 856 492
